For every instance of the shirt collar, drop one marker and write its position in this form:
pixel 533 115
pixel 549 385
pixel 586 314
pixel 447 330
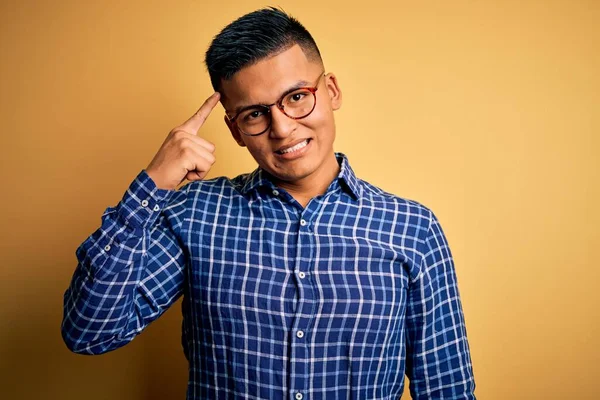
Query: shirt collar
pixel 256 179
pixel 346 178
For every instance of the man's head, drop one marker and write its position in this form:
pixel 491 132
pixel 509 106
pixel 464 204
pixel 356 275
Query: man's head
pixel 253 37
pixel 258 63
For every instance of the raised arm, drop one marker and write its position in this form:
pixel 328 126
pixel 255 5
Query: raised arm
pixel 132 268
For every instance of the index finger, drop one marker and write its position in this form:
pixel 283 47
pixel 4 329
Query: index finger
pixel 193 124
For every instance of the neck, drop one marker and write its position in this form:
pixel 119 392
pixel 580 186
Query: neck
pixel 303 190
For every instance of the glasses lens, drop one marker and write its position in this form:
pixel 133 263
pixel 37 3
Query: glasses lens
pixel 253 120
pixel 299 103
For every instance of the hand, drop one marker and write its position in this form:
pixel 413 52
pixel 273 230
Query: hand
pixel 183 154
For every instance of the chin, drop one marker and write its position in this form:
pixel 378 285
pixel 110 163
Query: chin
pixel 290 173
pixel 290 176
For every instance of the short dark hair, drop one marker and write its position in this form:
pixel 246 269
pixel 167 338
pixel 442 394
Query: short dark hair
pixel 253 37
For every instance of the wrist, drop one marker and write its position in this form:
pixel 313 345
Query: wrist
pixel 158 181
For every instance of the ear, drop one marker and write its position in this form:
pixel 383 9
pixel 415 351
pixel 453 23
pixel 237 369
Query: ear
pixel 234 132
pixel 334 91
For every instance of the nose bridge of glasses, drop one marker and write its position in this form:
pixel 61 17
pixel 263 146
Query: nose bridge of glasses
pixel 282 116
pixel 267 107
pixel 278 104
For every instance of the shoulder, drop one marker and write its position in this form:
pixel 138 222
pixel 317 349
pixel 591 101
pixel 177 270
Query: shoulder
pixel 403 210
pixel 413 211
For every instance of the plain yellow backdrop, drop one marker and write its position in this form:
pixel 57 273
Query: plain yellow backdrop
pixel 485 111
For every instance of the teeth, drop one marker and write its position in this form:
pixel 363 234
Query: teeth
pixel 294 148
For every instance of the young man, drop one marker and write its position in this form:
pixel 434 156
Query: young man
pixel 299 280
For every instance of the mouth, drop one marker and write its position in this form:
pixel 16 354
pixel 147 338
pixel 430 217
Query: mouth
pixel 294 148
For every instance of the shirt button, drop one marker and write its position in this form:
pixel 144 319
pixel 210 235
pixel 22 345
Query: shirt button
pixel 107 247
pixel 301 274
pixel 156 208
pixel 299 396
pixel 275 192
pixel 144 203
pixel 303 223
pixel 300 334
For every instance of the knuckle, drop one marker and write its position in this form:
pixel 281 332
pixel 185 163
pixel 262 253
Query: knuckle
pixel 187 152
pixel 178 133
pixel 210 146
pixel 205 164
pixel 184 141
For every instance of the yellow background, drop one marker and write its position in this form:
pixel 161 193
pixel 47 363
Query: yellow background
pixel 485 111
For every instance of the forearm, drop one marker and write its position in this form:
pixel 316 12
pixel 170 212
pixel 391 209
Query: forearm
pixel 99 307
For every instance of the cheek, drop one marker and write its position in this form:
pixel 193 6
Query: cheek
pixel 321 123
pixel 258 148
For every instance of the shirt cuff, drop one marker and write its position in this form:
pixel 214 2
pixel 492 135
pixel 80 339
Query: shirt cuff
pixel 142 203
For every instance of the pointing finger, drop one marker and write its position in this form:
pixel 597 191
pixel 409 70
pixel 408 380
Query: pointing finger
pixel 193 124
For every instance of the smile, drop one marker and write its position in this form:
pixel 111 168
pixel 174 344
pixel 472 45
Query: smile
pixel 294 148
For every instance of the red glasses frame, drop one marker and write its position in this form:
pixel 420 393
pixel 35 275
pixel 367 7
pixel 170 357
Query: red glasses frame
pixel 279 104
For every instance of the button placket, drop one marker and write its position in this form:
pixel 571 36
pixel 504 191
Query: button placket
pixel 306 301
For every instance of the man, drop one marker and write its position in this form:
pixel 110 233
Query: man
pixel 299 280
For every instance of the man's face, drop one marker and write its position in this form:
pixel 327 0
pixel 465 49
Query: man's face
pixel 264 83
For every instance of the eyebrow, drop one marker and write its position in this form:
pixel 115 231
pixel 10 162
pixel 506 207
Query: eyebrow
pixel 297 85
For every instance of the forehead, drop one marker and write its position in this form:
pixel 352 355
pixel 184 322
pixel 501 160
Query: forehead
pixel 266 80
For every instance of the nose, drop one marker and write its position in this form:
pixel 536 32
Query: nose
pixel 281 125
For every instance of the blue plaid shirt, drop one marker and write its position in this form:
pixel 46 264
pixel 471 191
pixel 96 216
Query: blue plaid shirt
pixel 337 300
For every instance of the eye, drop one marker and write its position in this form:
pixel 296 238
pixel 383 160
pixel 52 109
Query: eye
pixel 295 97
pixel 252 115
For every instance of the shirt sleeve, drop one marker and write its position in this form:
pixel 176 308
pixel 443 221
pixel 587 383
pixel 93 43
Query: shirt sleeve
pixel 130 270
pixel 438 357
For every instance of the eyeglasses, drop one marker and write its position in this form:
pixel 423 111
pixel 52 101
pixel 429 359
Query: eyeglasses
pixel 296 103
